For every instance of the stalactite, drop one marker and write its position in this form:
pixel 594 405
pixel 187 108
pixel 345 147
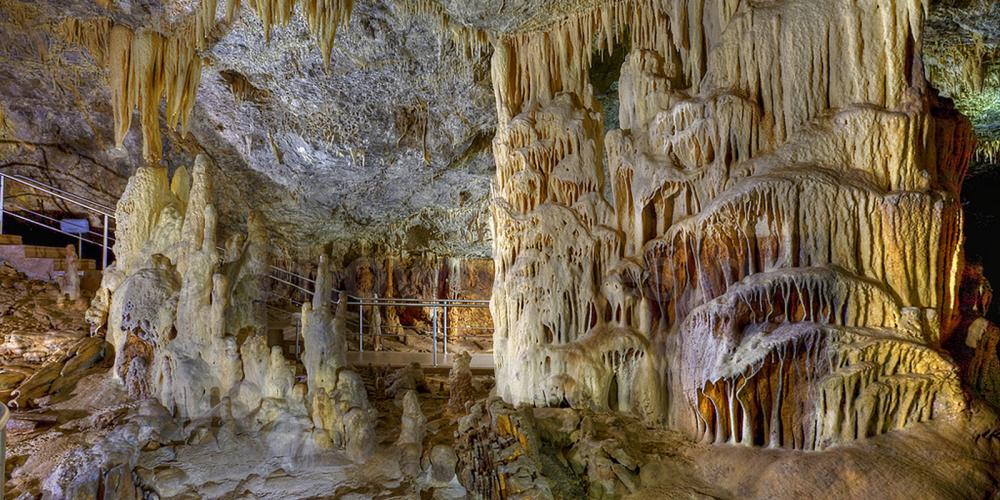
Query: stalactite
pixel 472 41
pixel 145 67
pixel 324 18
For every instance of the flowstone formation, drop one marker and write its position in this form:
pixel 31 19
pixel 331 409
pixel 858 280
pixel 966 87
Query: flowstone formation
pixel 767 252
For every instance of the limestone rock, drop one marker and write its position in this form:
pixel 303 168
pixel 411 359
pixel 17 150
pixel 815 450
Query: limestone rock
pixel 443 460
pixel 407 378
pixel 59 375
pixel 107 465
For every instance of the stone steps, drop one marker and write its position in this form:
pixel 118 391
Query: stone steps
pixel 81 265
pixel 10 239
pixel 40 252
pixel 43 262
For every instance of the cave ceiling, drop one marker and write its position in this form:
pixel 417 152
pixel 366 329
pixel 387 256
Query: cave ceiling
pixel 387 148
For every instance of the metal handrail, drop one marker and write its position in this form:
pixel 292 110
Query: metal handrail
pixel 109 212
pixel 289 283
pixel 105 213
pixel 53 219
pixel 41 224
pixel 63 195
pixel 4 417
pixel 276 274
pixel 416 302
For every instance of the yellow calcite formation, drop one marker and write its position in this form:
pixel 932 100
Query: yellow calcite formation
pixel 183 314
pixel 338 400
pixel 146 68
pixel 766 253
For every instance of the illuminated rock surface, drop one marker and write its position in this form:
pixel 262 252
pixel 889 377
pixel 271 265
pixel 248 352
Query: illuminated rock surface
pixel 726 240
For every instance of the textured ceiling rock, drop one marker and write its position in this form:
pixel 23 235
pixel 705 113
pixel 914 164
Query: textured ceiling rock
pixel 385 149
pixel 962 55
pixel 394 133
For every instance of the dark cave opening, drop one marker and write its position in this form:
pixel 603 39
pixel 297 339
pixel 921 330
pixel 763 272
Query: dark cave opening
pixel 32 234
pixel 982 218
pixel 605 71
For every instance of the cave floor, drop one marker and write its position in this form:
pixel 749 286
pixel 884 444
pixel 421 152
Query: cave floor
pixel 219 459
pixel 222 457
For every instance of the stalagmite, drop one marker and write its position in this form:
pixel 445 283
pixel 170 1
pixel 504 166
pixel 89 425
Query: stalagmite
pixel 323 337
pixel 337 397
pixel 461 388
pixel 411 434
pixel 70 283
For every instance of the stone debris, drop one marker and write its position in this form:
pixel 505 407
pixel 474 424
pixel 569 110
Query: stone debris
pixel 45 348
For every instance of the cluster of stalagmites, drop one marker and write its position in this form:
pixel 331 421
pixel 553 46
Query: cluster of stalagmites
pixel 185 315
pixel 778 261
pixel 506 452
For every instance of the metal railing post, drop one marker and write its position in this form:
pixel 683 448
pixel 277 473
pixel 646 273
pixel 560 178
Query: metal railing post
pixel 434 321
pixel 3 194
pixel 445 307
pixel 361 325
pixel 104 245
pixel 3 449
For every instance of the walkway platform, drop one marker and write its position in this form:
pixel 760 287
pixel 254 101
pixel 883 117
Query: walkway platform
pixel 480 362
